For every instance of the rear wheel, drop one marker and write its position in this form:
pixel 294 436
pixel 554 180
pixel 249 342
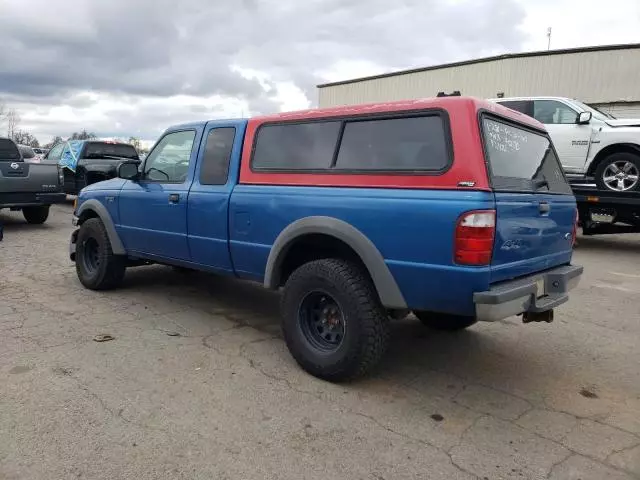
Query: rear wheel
pixel 441 321
pixel 36 215
pixel 619 172
pixel 96 265
pixel 333 322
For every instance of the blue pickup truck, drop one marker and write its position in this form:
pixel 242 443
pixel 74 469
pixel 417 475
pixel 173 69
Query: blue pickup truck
pixel 454 209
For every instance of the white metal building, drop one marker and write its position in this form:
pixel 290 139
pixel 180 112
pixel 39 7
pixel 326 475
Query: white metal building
pixel 607 77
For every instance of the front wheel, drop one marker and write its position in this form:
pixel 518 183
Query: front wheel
pixel 333 322
pixel 619 172
pixel 441 321
pixel 36 215
pixel 96 265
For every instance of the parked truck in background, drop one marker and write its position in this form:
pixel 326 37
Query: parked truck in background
pixel 589 142
pixel 89 161
pixel 29 187
pixel 601 156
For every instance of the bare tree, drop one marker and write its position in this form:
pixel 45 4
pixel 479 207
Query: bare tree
pixel 56 140
pixel 3 111
pixel 13 121
pixel 135 142
pixel 82 135
pixel 25 138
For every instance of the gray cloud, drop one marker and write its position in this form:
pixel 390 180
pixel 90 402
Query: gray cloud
pixel 160 48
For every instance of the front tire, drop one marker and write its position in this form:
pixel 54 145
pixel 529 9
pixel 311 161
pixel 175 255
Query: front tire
pixel 98 268
pixel 333 322
pixel 444 322
pixel 619 172
pixel 36 215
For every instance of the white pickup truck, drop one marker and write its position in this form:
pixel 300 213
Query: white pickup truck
pixel 589 142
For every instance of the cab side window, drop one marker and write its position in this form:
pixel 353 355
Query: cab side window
pixel 522 106
pixel 217 153
pixel 168 162
pixel 551 112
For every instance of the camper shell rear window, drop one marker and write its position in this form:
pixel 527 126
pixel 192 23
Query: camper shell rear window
pixel 521 159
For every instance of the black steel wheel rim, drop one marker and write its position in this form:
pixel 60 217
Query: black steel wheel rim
pixel 321 321
pixel 91 255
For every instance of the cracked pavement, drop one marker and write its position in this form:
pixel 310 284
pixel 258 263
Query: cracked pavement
pixel 197 382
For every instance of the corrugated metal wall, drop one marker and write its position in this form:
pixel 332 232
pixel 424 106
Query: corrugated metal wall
pixel 621 110
pixel 601 77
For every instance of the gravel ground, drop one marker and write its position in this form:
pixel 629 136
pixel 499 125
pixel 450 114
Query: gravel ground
pixel 197 382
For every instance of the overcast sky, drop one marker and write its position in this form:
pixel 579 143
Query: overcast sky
pixel 134 67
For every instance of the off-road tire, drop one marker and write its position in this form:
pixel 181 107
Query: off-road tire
pixel 444 322
pixel 366 324
pixel 613 158
pixel 110 270
pixel 36 215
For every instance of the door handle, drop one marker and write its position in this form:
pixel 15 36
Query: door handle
pixel 544 207
pixel 174 198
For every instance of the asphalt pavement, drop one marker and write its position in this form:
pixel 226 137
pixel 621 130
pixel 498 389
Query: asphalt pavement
pixel 191 380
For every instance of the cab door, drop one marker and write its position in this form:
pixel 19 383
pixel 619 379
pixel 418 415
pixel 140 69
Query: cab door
pixel 153 208
pixel 208 206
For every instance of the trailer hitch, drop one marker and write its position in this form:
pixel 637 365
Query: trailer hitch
pixel 546 316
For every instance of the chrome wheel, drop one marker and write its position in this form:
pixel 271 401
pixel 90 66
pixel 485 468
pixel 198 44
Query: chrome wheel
pixel 621 176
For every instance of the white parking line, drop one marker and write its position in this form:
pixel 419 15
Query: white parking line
pixel 616 287
pixel 629 275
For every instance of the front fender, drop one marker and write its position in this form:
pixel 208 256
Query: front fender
pixel 93 205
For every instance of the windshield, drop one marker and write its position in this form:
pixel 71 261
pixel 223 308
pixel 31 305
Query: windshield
pixel 521 160
pixel 594 111
pixel 107 150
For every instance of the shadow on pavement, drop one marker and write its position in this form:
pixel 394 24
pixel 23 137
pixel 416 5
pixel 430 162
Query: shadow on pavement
pixel 225 293
pixel 414 349
pixel 614 243
pixel 16 222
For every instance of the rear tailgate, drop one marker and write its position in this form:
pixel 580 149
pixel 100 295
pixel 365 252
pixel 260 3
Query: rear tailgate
pixel 535 207
pixel 22 177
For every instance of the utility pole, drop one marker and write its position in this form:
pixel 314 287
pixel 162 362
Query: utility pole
pixel 549 38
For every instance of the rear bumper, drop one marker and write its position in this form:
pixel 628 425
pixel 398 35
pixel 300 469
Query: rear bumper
pixel 27 199
pixel 524 295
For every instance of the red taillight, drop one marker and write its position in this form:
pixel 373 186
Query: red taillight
pixel 475 233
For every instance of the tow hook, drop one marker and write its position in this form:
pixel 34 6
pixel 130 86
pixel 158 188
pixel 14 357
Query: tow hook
pixel 546 316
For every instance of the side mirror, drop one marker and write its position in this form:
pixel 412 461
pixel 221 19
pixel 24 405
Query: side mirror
pixel 584 118
pixel 129 170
